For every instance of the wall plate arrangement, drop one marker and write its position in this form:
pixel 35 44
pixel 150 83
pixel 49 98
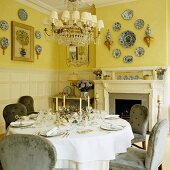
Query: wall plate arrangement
pixel 139 24
pixel 128 59
pixel 116 26
pixel 127 14
pixel 127 39
pixel 22 14
pixel 139 51
pixel 116 53
pixel 4 25
pixel 38 34
pixel 4 44
pixel 38 50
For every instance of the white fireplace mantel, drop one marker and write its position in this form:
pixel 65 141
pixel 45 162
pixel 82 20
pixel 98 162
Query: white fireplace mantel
pixel 153 88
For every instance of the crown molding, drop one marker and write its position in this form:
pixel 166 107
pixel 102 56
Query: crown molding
pixel 37 5
pixel 99 4
pixel 46 9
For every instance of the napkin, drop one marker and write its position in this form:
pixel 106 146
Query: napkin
pixel 53 130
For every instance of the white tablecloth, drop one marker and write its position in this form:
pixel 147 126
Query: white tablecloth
pixel 91 151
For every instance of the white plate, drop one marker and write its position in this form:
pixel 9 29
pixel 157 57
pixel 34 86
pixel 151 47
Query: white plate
pixel 33 116
pixel 112 117
pixel 111 127
pixel 56 133
pixel 22 123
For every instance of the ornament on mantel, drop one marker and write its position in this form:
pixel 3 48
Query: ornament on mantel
pixel 148 37
pixel 108 41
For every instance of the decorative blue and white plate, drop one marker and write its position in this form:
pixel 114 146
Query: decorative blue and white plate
pixel 127 39
pixel 38 34
pixel 4 42
pixel 116 26
pixel 4 25
pixel 139 51
pixel 22 14
pixel 127 14
pixel 139 23
pixel 128 59
pixel 38 49
pixel 116 53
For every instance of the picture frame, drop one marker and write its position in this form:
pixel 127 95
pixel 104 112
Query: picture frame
pixel 78 56
pixel 22 42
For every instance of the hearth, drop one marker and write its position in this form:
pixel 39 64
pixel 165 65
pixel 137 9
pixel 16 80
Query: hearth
pixel 123 107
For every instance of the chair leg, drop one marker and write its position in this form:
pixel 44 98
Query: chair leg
pixel 160 167
pixel 144 145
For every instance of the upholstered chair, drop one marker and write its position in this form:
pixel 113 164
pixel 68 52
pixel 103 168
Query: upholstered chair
pixel 27 152
pixel 29 104
pixel 139 159
pixel 139 122
pixel 11 110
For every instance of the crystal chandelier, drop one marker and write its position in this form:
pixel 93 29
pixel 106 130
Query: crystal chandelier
pixel 71 29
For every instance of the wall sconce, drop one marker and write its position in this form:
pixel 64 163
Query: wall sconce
pixel 108 41
pixel 73 80
pixel 148 37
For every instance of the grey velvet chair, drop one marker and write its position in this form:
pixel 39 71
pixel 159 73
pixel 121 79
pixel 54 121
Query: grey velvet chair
pixel 139 159
pixel 11 110
pixel 139 122
pixel 29 104
pixel 27 152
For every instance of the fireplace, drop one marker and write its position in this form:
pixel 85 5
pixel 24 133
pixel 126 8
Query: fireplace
pixel 121 103
pixel 123 107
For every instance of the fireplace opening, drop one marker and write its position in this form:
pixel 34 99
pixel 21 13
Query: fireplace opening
pixel 123 106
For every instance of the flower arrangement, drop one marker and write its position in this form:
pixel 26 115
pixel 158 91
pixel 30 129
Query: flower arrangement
pixel 98 72
pixel 85 85
pixel 160 72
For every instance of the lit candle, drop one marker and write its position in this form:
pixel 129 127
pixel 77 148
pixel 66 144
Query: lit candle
pixel 64 104
pixel 88 102
pixel 80 104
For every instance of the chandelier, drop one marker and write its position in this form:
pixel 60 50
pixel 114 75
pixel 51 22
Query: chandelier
pixel 74 29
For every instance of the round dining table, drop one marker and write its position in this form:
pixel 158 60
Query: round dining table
pixel 87 146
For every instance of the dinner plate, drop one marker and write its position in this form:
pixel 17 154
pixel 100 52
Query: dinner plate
pixel 33 116
pixel 112 117
pixel 22 123
pixel 111 127
pixel 56 133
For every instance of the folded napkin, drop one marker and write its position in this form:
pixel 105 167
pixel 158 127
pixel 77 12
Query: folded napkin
pixel 53 130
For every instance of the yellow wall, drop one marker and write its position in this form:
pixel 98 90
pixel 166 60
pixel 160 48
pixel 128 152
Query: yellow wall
pixel 49 56
pixel 168 29
pixel 153 12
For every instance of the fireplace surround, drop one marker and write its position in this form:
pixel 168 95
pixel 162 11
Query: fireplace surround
pixel 147 91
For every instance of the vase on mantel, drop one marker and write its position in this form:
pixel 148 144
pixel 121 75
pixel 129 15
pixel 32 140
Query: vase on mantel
pixel 98 77
pixel 84 95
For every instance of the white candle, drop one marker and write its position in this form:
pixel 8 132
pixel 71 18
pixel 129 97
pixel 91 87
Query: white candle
pixel 64 104
pixel 88 102
pixel 80 104
pixel 97 96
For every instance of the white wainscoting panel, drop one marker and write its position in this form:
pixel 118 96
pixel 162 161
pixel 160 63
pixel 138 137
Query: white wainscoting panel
pixel 14 83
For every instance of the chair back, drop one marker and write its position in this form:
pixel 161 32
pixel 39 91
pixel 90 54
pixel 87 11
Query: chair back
pixel 11 110
pixel 156 145
pixel 27 152
pixel 139 119
pixel 28 102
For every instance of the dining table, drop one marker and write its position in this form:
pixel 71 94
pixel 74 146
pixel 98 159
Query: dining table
pixel 81 146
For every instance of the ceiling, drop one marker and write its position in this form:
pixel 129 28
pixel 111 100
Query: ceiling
pixel 46 6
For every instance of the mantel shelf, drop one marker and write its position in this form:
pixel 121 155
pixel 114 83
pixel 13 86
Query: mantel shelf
pixel 130 81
